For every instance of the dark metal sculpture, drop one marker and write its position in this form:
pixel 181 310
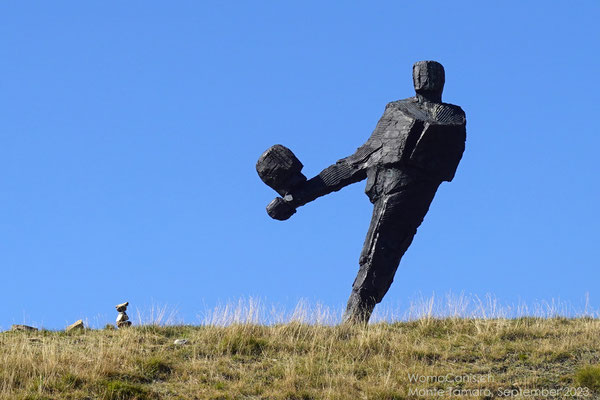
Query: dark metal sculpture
pixel 416 145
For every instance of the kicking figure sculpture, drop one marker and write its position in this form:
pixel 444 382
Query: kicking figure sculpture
pixel 416 145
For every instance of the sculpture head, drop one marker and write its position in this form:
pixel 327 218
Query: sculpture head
pixel 429 78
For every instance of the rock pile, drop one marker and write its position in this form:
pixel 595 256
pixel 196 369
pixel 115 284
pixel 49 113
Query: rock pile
pixel 122 318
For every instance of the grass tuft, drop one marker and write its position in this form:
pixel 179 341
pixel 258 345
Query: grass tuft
pixel 120 390
pixel 589 376
pixel 154 368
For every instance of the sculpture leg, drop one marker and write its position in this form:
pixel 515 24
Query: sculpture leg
pixel 395 220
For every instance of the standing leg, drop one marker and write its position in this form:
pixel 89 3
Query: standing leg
pixel 395 220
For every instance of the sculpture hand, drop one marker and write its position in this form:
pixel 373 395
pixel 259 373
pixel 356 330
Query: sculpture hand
pixel 280 209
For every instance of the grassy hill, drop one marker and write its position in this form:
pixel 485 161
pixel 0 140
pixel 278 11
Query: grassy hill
pixel 423 359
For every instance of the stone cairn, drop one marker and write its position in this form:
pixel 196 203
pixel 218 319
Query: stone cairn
pixel 122 318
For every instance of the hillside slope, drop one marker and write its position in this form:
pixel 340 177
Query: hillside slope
pixel 423 359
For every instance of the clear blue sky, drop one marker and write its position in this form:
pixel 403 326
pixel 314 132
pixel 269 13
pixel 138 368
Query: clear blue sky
pixel 129 132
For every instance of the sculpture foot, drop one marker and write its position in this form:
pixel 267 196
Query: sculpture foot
pixel 359 309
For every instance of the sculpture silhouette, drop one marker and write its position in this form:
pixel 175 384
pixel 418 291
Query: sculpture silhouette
pixel 416 145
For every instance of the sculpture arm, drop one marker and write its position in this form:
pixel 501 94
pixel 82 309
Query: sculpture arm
pixel 343 173
pixel 348 170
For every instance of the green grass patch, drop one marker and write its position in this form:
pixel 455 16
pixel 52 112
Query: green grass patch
pixel 121 390
pixel 589 377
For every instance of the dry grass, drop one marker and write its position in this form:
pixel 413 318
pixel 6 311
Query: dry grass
pixel 233 357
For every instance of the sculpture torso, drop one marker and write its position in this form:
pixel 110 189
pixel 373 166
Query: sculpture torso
pixel 426 138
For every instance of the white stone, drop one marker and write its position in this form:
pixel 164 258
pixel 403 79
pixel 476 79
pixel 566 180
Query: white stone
pixel 122 317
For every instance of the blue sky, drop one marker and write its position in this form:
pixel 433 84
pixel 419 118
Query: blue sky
pixel 129 134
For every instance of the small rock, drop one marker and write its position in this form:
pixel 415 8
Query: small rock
pixel 123 324
pixel 23 328
pixel 122 317
pixel 122 307
pixel 180 342
pixel 75 326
